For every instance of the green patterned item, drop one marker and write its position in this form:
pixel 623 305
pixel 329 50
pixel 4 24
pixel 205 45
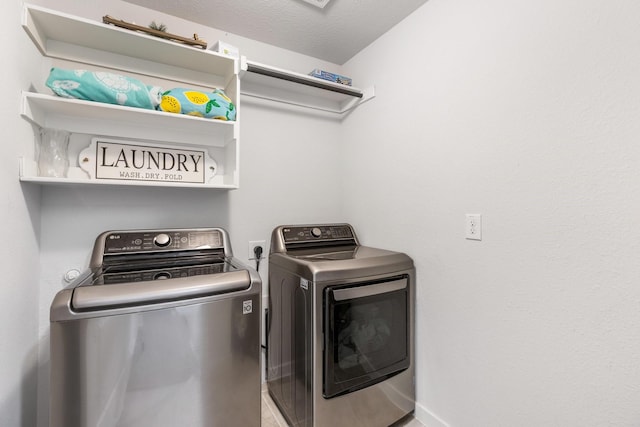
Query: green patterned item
pixel 210 105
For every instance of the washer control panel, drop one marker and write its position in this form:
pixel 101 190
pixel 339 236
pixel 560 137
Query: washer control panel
pixel 170 273
pixel 154 241
pixel 314 233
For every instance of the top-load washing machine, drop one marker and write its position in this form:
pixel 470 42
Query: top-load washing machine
pixel 340 328
pixel 162 330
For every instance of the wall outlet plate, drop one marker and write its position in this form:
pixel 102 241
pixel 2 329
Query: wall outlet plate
pixel 255 243
pixel 473 227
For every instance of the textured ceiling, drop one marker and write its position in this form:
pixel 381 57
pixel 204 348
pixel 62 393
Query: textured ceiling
pixel 335 33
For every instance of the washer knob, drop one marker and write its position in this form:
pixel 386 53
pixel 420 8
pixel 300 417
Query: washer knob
pixel 162 240
pixel 316 232
pixel 163 275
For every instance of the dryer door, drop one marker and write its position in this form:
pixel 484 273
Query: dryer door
pixel 366 334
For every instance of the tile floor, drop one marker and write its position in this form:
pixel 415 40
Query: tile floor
pixel 271 416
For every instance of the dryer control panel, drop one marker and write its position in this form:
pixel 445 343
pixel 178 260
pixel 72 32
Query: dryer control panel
pixel 310 236
pixel 314 233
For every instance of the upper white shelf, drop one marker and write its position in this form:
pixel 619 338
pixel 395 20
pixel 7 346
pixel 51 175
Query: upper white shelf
pixel 267 82
pixel 63 36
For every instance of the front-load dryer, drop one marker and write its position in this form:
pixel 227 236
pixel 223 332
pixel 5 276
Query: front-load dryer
pixel 340 329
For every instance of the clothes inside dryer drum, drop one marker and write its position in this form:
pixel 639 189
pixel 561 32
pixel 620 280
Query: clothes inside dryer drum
pixel 362 336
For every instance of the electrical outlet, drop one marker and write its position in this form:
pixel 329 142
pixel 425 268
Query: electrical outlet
pixel 252 246
pixel 473 229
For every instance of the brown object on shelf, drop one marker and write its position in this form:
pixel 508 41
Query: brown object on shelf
pixel 195 41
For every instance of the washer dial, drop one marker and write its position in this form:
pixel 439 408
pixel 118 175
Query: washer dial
pixel 162 240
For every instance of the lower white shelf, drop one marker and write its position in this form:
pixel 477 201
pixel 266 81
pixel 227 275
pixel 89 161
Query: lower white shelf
pixel 98 118
pixel 77 177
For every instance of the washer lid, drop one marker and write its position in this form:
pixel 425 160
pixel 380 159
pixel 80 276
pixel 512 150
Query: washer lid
pixel 128 294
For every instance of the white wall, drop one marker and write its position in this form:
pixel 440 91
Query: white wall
pixel 526 112
pixel 20 219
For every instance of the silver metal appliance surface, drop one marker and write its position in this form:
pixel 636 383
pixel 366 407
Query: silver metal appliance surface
pixel 340 329
pixel 163 329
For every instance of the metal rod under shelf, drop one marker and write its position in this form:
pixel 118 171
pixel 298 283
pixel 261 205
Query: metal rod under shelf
pixel 253 68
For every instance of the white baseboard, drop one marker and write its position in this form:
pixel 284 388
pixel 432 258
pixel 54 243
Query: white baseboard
pixel 428 418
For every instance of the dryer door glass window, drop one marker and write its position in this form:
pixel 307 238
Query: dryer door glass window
pixel 366 334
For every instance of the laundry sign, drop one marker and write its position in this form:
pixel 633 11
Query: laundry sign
pixel 107 159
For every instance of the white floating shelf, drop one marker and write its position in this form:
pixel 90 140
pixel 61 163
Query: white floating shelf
pixel 276 84
pixel 63 36
pixel 28 173
pixel 97 118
